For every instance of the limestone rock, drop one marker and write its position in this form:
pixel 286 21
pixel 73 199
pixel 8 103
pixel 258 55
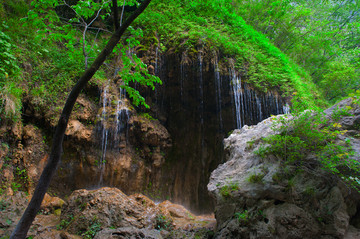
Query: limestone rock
pixel 128 232
pixel 152 137
pixel 133 215
pixel 79 131
pixel 106 206
pixel 262 198
pixel 50 204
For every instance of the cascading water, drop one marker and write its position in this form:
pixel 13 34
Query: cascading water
pixel 258 105
pixel 104 132
pixel 122 115
pixel 201 88
pixel 236 86
pixel 251 106
pixel 110 130
pixel 286 108
pixel 218 93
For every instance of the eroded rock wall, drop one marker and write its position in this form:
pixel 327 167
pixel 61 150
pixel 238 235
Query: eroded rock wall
pixel 196 103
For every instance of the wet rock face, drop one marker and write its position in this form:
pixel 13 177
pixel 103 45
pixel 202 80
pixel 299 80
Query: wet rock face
pixel 117 147
pixel 262 198
pixel 196 104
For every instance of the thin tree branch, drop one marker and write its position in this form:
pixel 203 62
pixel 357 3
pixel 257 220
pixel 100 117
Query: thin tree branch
pixel 28 217
pixel 122 12
pixel 76 13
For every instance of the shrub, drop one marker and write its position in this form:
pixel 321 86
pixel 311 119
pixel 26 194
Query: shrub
pixel 312 133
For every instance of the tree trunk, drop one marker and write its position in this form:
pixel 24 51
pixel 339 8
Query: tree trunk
pixel 28 217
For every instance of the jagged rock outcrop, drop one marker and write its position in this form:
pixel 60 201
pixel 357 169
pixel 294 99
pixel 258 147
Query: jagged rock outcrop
pixel 133 215
pixel 265 198
pixel 106 213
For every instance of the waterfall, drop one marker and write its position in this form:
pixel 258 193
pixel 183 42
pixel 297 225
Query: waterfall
pixel 112 124
pixel 201 85
pixel 218 93
pixel 286 108
pixel 122 115
pixel 104 132
pixel 236 86
pixel 258 106
pixel 201 89
pixel 251 106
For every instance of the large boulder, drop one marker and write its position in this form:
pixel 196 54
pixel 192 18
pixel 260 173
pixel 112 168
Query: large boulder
pixel 113 214
pixel 266 198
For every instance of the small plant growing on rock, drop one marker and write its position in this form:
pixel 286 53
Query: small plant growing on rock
pixel 256 178
pixel 146 116
pixel 243 217
pixel 226 190
pixel 95 226
pixel 310 191
pixel 163 223
pixel 64 223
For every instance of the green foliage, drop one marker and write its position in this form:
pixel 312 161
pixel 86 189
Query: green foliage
pixel 10 92
pixel 339 78
pixel 133 70
pixel 312 133
pixel 338 113
pixel 243 217
pixel 64 223
pixel 3 205
pixel 146 116
pixel 53 58
pixel 95 226
pixel 256 178
pixel 355 97
pixel 321 36
pixel 215 26
pixel 226 190
pixel 8 64
pixel 162 222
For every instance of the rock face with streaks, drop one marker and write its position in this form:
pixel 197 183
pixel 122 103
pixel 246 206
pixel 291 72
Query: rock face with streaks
pixel 265 198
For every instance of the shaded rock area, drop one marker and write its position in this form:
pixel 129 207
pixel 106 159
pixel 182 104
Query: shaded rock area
pixel 105 213
pixel 263 198
pixel 196 104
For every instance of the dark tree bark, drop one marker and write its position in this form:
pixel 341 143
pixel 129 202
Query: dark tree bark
pixel 28 217
pixel 115 11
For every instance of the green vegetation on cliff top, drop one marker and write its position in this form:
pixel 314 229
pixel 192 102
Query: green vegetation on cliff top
pixel 190 25
pixel 43 66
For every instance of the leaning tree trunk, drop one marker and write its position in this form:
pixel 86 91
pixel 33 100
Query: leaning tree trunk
pixel 28 217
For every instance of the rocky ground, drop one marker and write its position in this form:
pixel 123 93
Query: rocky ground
pixel 104 213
